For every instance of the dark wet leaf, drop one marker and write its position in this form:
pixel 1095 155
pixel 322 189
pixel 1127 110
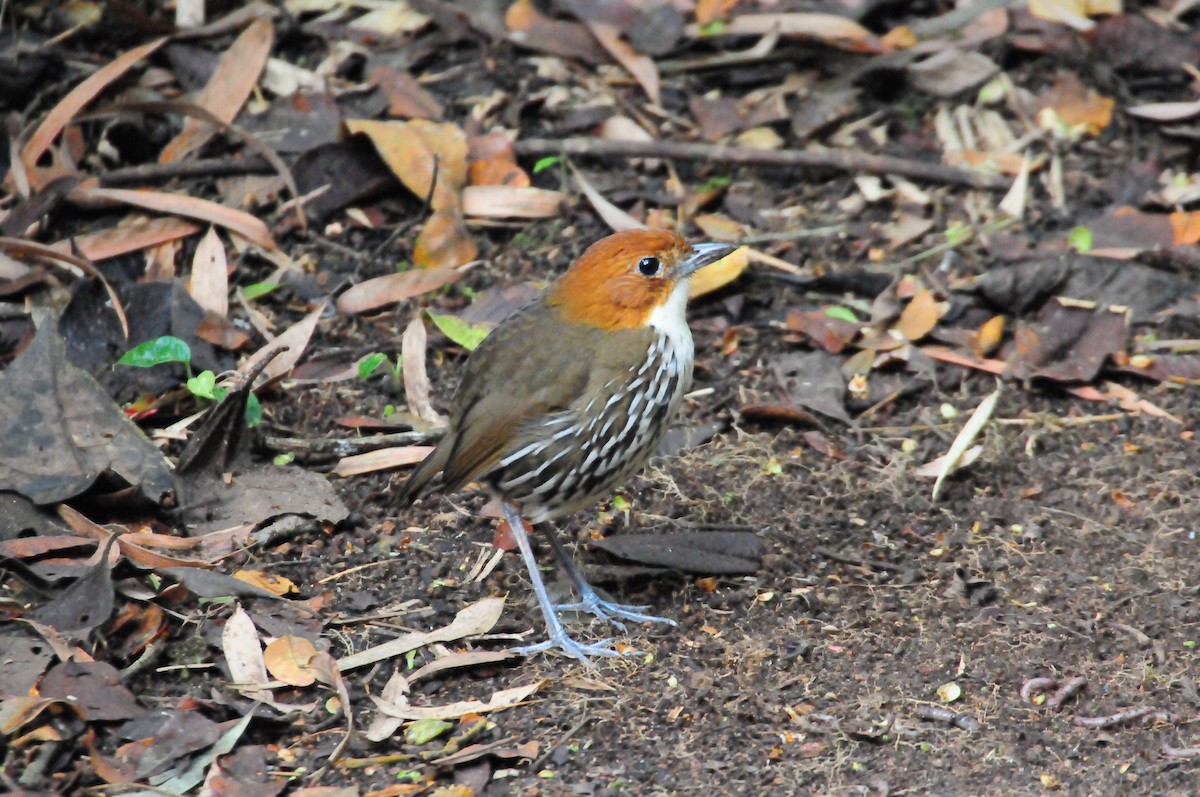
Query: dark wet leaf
pixel 813 380
pixel 211 584
pixel 20 517
pixel 256 496
pixel 709 552
pixel 344 173
pixel 23 658
pixel 165 737
pixel 59 430
pixel 93 688
pixel 1068 343
pixel 83 605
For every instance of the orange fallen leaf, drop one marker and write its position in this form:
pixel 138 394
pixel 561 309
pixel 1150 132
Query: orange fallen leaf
pixel 642 68
pixel 919 316
pixel 1072 107
pixel 78 98
pixel 391 288
pixel 131 235
pixel 238 221
pixel 990 335
pixel 1186 226
pixel 276 585
pixel 287 660
pixel 227 89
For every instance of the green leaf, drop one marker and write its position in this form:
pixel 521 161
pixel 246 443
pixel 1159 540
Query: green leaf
pixel 389 410
pixel 712 28
pixel 841 313
pixel 254 412
pixel 463 333
pixel 166 349
pixel 1080 239
pixel 545 163
pixel 370 364
pixel 426 730
pixel 283 459
pixel 202 385
pixel 258 290
pixel 958 233
pixel 713 183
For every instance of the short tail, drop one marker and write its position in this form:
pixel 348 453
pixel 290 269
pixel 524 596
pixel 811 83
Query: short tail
pixel 420 478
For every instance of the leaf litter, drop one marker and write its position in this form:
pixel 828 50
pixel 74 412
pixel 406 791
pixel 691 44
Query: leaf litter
pixel 1114 324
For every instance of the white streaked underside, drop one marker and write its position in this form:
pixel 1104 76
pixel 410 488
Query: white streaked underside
pixel 582 453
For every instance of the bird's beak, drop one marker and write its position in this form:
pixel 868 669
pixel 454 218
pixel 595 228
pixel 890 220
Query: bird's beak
pixel 701 255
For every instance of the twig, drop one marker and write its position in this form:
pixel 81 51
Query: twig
pixel 858 162
pixel 867 563
pixel 330 448
pixel 206 167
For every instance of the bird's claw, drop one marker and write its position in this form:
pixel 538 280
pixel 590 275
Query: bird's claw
pixel 579 650
pixel 610 611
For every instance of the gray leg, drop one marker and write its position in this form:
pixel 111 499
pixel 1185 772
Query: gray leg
pixel 557 637
pixel 592 603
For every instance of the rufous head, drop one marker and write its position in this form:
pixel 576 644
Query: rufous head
pixel 620 280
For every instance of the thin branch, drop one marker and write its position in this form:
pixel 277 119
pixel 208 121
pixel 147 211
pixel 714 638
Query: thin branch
pixel 838 160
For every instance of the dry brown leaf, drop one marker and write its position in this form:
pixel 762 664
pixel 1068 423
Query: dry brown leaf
pixel 132 234
pixel 391 288
pixel 720 227
pixel 505 698
pixel 276 585
pixel 383 459
pixel 243 652
pixel 1070 108
pixel 249 227
pixel 416 380
pixel 227 89
pixel 919 316
pixel 510 202
pixel 430 158
pixel 719 274
pixel 1186 227
pixel 444 241
pixel 78 98
pixel 639 66
pixel 613 216
pixel 287 659
pixel 209 283
pixel 478 618
pixel 494 163
pixel 990 335
pixel 830 28
pixel 295 339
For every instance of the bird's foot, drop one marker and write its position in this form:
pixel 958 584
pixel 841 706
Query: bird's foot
pixel 583 651
pixel 611 611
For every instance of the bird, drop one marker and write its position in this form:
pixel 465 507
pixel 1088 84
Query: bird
pixel 569 397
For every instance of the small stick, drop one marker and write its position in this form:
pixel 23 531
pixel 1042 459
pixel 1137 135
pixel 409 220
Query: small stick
pixel 839 160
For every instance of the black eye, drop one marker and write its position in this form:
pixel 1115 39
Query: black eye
pixel 649 266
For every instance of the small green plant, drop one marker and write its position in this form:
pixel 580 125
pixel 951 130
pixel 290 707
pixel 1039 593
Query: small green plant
pixel 464 333
pixel 1080 239
pixel 170 349
pixel 713 183
pixel 379 362
pixel 258 290
pixel 545 163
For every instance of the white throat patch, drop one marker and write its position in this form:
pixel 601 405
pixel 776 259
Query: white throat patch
pixel 670 318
